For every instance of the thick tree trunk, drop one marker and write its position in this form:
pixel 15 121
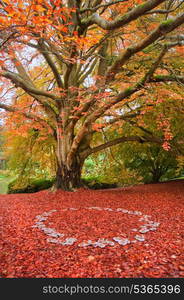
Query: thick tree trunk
pixel 67 178
pixel 68 174
pixel 69 167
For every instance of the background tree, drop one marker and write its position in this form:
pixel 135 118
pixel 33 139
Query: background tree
pixel 152 163
pixel 98 63
pixel 2 158
pixel 30 157
pixel 131 163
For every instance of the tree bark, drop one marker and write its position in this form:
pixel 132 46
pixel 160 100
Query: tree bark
pixel 68 174
pixel 69 178
pixel 156 175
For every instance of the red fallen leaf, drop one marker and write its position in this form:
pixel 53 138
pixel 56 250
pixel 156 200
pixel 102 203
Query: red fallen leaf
pixel 90 258
pixel 26 252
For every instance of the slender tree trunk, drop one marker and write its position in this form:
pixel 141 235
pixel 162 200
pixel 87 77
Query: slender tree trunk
pixel 156 175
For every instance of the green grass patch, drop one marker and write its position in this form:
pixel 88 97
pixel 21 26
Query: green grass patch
pixel 4 182
pixel 34 186
pixel 177 178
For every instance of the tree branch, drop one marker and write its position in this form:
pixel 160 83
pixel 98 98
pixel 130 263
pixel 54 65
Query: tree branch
pixel 162 29
pixel 24 75
pixel 84 74
pixel 167 78
pixel 44 51
pixel 27 115
pixel 20 82
pixel 92 9
pixel 120 140
pixel 124 94
pixel 121 118
pixel 164 11
pixel 123 20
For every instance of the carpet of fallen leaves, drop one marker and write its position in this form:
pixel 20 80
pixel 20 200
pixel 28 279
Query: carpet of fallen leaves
pixel 25 251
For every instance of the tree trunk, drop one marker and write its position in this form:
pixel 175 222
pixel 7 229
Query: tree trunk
pixel 68 174
pixel 69 178
pixel 156 174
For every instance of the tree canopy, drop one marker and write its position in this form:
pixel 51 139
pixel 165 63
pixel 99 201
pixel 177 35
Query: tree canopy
pixel 74 68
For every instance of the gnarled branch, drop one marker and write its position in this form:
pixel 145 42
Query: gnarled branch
pixel 160 31
pixel 18 81
pixel 123 20
pixel 143 139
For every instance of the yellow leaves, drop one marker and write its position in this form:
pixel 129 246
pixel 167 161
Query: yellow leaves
pixel 162 94
pixel 120 130
pixel 84 43
pixel 180 163
pixel 120 82
pixel 74 117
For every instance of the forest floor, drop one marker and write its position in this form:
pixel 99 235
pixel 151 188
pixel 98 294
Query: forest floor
pixel 126 232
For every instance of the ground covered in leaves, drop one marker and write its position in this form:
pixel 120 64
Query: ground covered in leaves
pixel 88 215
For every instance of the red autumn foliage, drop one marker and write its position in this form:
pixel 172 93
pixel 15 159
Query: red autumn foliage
pixel 26 252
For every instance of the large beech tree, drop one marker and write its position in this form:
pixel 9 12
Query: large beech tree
pixel 85 66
